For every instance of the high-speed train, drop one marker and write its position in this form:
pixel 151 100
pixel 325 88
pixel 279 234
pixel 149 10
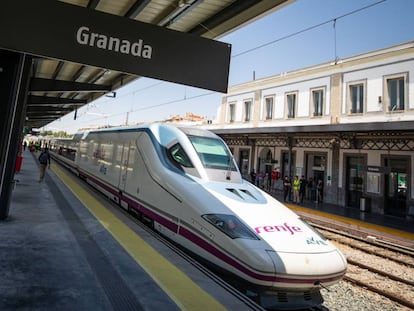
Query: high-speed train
pixel 186 184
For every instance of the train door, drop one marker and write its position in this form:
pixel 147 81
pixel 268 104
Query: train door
pixel 124 165
pixel 396 186
pixel 132 170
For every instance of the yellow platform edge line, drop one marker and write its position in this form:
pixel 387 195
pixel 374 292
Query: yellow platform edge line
pixel 356 222
pixel 179 287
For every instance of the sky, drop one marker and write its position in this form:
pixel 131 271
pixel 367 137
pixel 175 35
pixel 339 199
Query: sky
pixel 301 34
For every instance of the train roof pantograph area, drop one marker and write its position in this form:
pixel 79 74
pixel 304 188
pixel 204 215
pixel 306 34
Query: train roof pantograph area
pixel 85 49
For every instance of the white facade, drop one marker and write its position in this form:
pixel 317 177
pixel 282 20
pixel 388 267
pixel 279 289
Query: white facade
pixel 372 71
pixel 326 117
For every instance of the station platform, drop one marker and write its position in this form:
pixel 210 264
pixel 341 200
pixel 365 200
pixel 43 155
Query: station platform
pixel 396 229
pixel 62 248
pixel 65 248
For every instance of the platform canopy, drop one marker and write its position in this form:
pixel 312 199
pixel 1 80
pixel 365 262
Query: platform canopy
pixel 66 75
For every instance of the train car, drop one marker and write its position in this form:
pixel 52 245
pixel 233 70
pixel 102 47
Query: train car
pixel 184 182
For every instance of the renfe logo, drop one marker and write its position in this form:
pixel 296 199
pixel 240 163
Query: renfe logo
pixel 278 228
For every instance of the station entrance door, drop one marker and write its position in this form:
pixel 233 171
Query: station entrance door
pixel 396 186
pixel 354 181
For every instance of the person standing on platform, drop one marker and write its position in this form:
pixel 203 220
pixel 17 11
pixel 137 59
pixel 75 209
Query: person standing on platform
pixel 273 181
pixel 302 190
pixel 296 189
pixel 44 160
pixel 253 177
pixel 266 181
pixel 319 189
pixel 260 178
pixel 314 194
pixel 309 190
pixel 286 188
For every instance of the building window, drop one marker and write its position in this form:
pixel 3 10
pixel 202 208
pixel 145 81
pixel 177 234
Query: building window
pixel 356 92
pixel 317 102
pixel 232 113
pixel 356 97
pixel 247 110
pixel 291 105
pixel 396 93
pixel 269 108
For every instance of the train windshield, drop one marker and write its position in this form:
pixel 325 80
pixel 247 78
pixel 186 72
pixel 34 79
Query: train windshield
pixel 213 153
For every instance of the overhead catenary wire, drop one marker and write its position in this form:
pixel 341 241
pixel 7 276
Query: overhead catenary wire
pixel 293 34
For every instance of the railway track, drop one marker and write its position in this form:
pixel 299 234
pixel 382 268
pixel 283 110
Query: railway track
pixel 369 244
pixel 387 270
pixel 394 295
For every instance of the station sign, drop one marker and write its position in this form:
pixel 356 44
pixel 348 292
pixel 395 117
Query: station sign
pixel 58 30
pixel 376 169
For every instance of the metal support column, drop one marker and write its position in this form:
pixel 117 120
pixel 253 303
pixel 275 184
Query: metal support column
pixel 14 82
pixel 290 146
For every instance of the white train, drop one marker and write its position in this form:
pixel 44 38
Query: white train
pixel 185 182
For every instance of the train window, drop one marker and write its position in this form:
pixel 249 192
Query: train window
pixel 178 154
pixel 213 153
pixel 230 225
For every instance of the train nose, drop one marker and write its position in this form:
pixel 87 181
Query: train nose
pixel 308 269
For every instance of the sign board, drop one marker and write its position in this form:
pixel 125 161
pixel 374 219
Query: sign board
pixel 68 32
pixel 376 169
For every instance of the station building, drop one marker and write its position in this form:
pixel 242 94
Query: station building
pixel 349 123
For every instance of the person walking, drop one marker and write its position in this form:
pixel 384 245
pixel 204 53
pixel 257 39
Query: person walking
pixel 44 160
